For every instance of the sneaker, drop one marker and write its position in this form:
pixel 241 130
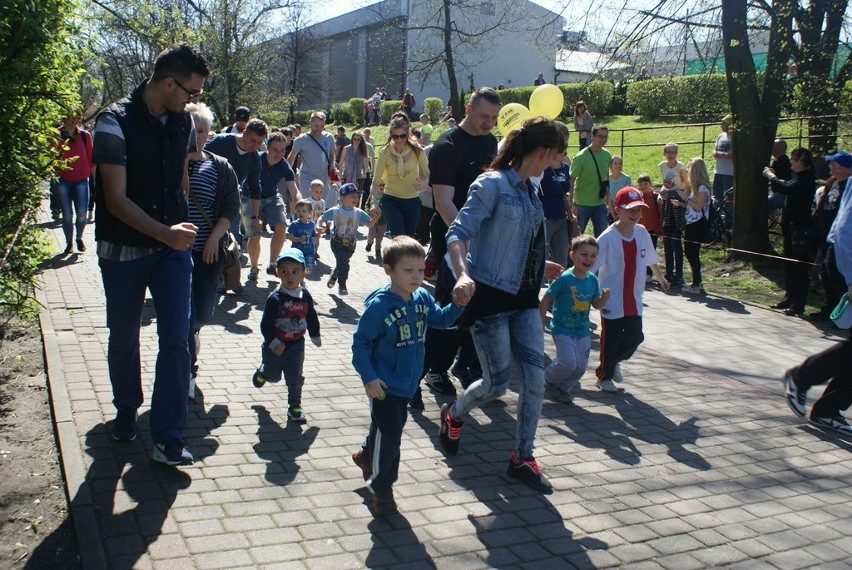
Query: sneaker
pixel 796 398
pixel 465 375
pixel 56 215
pixel 369 246
pixel 69 249
pixel 416 401
pixel 450 430
pixel 693 289
pixel 361 460
pixel 439 382
pixel 676 282
pixel 81 246
pixel 529 472
pixel 258 379
pixel 607 386
pixel 192 387
pixel 296 415
pixel 617 376
pixel 91 217
pixel 172 452
pixel 124 425
pixel 379 258
pixel 557 394
pixel 342 290
pixel 252 276
pixel 837 423
pixel 271 269
pixel 332 281
pixel 384 504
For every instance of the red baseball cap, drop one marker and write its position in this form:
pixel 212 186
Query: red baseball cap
pixel 629 198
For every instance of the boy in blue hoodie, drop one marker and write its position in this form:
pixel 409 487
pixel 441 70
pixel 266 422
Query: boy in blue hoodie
pixel 387 352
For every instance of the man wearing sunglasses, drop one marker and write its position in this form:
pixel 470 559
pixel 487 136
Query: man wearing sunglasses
pixel 145 242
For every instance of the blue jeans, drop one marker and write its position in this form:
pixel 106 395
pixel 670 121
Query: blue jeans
pixel 167 274
pixel 76 194
pixel 595 213
pixel 721 182
pixel 401 215
pixel 205 278
pixel 342 255
pixel 290 363
pixel 507 341
pixel 673 251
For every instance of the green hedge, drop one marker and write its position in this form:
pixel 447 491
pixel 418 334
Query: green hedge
pixel 598 95
pixel 341 114
pixel 688 95
pixel 356 108
pixel 434 107
pixel 388 108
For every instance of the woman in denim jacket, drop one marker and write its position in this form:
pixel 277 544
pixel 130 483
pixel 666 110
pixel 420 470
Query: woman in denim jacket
pixel 496 245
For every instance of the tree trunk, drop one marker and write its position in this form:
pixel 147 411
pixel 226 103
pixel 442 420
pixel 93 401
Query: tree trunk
pixel 454 102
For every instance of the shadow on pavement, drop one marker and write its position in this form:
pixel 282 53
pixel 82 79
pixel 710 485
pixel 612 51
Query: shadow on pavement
pixel 719 304
pixel 394 541
pixel 280 446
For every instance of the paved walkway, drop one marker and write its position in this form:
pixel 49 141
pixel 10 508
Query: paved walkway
pixel 697 463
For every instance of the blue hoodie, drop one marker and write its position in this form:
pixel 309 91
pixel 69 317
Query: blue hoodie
pixel 388 342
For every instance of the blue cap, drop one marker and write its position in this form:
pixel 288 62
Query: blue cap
pixel 293 254
pixel 841 157
pixel 349 188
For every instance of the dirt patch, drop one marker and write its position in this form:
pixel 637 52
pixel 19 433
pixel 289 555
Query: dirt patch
pixel 36 530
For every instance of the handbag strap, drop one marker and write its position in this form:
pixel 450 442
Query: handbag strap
pixel 597 171
pixel 322 148
pixel 199 206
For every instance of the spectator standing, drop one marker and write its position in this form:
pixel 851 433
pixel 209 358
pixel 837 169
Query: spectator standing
pixel 426 129
pixel 696 206
pixel 540 79
pixel 617 180
pixel 590 181
pixel 652 216
pixel 340 142
pixel 241 118
pixel 408 103
pixel 723 171
pixel 144 242
pixel 781 166
pixel 583 123
pixel 555 197
pixel 72 187
pixel 674 216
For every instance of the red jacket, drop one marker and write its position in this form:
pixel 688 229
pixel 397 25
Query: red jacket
pixel 652 217
pixel 79 149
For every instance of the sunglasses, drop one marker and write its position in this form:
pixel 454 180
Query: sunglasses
pixel 356 139
pixel 193 95
pixel 399 137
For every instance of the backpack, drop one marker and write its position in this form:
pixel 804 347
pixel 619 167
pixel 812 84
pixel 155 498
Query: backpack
pixel 715 224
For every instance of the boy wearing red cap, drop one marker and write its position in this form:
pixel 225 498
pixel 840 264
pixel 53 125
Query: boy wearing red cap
pixel 625 251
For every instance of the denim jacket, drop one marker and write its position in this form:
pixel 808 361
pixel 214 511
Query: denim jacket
pixel 499 220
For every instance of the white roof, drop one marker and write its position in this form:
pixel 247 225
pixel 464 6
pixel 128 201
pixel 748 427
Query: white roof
pixel 588 62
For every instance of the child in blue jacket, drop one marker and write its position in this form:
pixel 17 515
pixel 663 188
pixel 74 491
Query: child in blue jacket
pixel 387 352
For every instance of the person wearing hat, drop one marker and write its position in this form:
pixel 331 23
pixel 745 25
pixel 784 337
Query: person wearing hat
pixel 832 364
pixel 625 251
pixel 828 201
pixel 347 217
pixel 241 119
pixel 723 172
pixel 288 313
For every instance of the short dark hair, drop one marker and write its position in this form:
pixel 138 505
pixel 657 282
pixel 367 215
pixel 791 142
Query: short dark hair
pixel 399 247
pixel 644 177
pixel 181 61
pixel 276 136
pixel 488 94
pixel 257 126
pixel 287 131
pixel 584 239
pixel 596 128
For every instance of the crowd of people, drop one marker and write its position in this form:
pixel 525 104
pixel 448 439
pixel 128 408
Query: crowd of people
pixel 499 223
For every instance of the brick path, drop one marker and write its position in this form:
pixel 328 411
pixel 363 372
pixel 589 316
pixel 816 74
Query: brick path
pixel 697 463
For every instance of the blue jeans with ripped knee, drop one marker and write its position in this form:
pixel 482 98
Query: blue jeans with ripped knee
pixel 509 341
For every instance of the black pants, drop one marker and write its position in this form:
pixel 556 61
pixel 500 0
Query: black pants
pixel 619 340
pixel 796 277
pixel 387 418
pixel 832 365
pixel 832 281
pixel 693 236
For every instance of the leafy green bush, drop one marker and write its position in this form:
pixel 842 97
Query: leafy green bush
pixel 388 108
pixel 356 109
pixel 598 96
pixel 274 118
pixel 41 63
pixel 434 107
pixel 689 95
pixel 341 114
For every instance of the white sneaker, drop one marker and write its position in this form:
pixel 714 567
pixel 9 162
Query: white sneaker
pixel 692 289
pixel 649 279
pixel 617 375
pixel 606 386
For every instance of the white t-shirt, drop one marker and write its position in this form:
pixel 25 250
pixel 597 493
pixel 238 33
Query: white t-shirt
pixel 693 216
pixel 724 166
pixel 621 265
pixel 671 174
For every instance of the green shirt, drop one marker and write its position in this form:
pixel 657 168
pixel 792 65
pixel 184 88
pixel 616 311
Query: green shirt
pixel 587 187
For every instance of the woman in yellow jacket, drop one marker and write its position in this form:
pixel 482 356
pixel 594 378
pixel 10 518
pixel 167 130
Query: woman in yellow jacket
pixel 403 168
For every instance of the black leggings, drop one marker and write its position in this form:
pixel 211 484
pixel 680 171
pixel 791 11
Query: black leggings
pixel 694 234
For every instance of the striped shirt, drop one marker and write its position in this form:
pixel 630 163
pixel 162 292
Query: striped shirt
pixel 202 181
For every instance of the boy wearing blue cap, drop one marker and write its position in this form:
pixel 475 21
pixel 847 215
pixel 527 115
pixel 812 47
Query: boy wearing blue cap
pixel 347 217
pixel 288 313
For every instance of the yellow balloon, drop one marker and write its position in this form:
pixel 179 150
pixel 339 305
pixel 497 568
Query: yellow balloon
pixel 547 100
pixel 512 116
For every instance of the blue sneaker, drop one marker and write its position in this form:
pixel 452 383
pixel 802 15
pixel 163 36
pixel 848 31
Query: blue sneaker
pixel 172 452
pixel 124 425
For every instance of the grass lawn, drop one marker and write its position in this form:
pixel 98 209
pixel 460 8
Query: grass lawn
pixel 640 143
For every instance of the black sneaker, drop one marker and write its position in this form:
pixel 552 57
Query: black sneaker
pixel 296 415
pixel 258 379
pixel 384 503
pixel 124 425
pixel 529 472
pixel 271 269
pixel 450 430
pixel 361 460
pixel 676 282
pixel 172 452
pixel 81 246
pixel 416 401
pixel 369 246
pixel 465 375
pixel 837 423
pixel 439 382
pixel 796 397
pixel 331 281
